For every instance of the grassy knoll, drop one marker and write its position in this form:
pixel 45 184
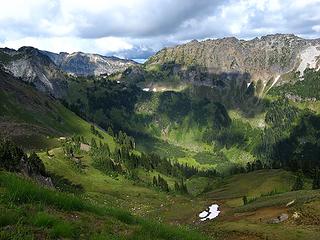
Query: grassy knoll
pixel 106 189
pixel 252 221
pixel 48 214
pixel 252 185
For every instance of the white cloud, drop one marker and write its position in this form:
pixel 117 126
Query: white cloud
pixel 71 44
pixel 142 26
pixel 316 28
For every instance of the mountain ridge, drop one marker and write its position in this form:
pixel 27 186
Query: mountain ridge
pixel 32 66
pixel 264 58
pixel 89 64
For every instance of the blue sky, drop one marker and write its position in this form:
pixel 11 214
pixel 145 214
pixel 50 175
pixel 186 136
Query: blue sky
pixel 138 28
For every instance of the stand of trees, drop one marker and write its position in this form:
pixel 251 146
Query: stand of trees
pixel 182 187
pixel 13 159
pixel 124 160
pixel 161 183
pixel 94 131
pixel 301 150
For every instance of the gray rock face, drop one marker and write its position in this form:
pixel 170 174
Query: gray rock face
pixel 32 66
pixel 265 58
pixel 85 64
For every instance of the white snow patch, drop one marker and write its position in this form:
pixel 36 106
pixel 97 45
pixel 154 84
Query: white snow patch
pixel 146 89
pixel 154 89
pixel 118 82
pixel 248 84
pixel 211 214
pixel 308 58
pixel 274 82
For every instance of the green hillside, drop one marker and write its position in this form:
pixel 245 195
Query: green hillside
pixel 30 212
pixel 162 158
pixel 35 120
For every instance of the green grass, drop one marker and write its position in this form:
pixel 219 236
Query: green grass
pixel 99 186
pixel 43 219
pixel 267 231
pixel 63 229
pixel 197 185
pixel 158 146
pixel 282 199
pixel 252 185
pixel 39 120
pixel 19 191
pixel 8 217
pixel 190 161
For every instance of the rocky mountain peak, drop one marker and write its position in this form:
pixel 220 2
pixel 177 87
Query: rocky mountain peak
pixel 32 66
pixel 265 58
pixel 87 64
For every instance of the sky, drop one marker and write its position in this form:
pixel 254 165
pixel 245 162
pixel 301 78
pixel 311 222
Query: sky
pixel 136 29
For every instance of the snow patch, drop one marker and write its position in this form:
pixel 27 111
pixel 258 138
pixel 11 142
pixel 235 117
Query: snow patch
pixel 308 58
pixel 212 213
pixel 274 82
pixel 146 89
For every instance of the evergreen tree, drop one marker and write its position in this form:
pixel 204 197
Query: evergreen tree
pixel 182 187
pixel 298 185
pixel 176 187
pixel 10 156
pixel 258 165
pixel 92 129
pixel 35 165
pixel 110 132
pixel 155 181
pixel 316 179
pixel 249 167
pixel 245 200
pixel 93 143
pixel 162 183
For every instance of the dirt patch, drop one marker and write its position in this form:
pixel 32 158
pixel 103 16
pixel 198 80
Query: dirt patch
pixel 260 215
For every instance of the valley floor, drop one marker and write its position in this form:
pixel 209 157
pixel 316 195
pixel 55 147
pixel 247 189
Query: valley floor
pixel 268 193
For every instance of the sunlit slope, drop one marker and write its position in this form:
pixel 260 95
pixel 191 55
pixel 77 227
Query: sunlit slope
pixel 33 119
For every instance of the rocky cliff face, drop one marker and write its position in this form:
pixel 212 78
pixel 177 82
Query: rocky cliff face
pixel 84 64
pixel 265 58
pixel 45 70
pixel 32 66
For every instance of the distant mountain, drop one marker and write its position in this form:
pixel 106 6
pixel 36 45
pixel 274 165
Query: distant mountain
pixel 32 66
pixel 85 64
pixel 45 70
pixel 266 58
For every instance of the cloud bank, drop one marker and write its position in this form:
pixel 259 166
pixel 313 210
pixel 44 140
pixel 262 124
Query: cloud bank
pixel 137 28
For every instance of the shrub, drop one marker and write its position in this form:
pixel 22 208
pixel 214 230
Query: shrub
pixel 8 217
pixel 245 200
pixel 43 219
pixel 63 229
pixel 298 185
